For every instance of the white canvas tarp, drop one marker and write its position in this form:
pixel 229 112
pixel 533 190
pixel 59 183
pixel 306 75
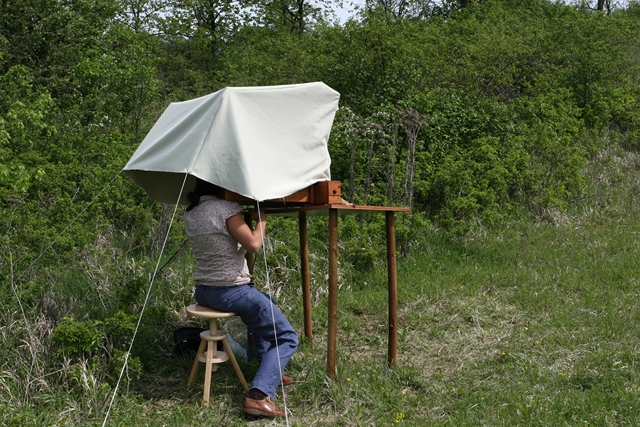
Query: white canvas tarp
pixel 263 142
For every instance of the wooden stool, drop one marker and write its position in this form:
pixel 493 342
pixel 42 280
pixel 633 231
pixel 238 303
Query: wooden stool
pixel 212 356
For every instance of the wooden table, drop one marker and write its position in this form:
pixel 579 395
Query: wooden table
pixel 333 210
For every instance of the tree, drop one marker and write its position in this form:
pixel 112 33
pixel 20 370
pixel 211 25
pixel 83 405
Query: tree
pixel 144 15
pixel 398 10
pixel 23 126
pixel 207 22
pixel 294 16
pixel 412 121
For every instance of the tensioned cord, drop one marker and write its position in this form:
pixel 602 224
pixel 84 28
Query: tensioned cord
pixel 144 305
pixel 273 318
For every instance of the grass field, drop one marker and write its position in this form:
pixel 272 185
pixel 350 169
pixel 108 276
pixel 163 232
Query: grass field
pixel 533 324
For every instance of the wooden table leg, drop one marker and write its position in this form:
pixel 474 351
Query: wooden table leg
pixel 306 280
pixel 393 287
pixel 332 333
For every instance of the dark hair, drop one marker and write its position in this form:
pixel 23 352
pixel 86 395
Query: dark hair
pixel 203 188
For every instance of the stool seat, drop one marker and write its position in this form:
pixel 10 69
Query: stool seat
pixel 208 313
pixel 208 352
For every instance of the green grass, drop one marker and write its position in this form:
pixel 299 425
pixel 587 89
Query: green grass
pixel 533 324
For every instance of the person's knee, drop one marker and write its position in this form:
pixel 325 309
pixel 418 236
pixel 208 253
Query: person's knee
pixel 294 341
pixel 290 337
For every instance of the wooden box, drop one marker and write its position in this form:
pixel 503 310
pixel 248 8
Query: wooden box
pixel 320 193
pixel 326 192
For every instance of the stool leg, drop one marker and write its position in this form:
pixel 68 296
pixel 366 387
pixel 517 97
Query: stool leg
pixel 207 371
pixel 196 365
pixel 236 367
pixel 213 330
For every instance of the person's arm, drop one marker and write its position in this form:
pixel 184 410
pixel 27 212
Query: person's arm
pixel 250 239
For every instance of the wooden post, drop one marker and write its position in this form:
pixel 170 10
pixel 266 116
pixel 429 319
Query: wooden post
pixel 393 287
pixel 306 281
pixel 332 333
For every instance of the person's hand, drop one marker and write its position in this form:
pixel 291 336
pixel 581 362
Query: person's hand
pixel 257 216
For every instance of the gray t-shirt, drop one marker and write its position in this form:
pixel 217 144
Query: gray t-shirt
pixel 219 257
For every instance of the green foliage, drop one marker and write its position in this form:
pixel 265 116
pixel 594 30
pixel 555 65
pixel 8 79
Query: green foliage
pixel 78 339
pixel 364 242
pixel 485 73
pixel 515 305
pixel 476 180
pixel 562 148
pixel 22 127
pixel 133 365
pixel 86 338
pixel 119 328
pixel 471 112
pixel 22 419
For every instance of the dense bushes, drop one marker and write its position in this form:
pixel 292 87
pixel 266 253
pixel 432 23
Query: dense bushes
pixel 467 114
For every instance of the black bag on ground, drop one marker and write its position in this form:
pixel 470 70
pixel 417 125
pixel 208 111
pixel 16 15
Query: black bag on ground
pixel 186 341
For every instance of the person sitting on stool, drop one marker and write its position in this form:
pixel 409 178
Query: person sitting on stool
pixel 220 238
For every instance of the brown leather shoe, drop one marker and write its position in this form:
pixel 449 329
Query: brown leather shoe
pixel 286 380
pixel 262 408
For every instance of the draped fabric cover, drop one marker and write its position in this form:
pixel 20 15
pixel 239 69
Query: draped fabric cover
pixel 262 142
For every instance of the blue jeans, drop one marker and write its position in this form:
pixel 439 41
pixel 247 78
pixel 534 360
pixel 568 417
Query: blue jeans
pixel 255 310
